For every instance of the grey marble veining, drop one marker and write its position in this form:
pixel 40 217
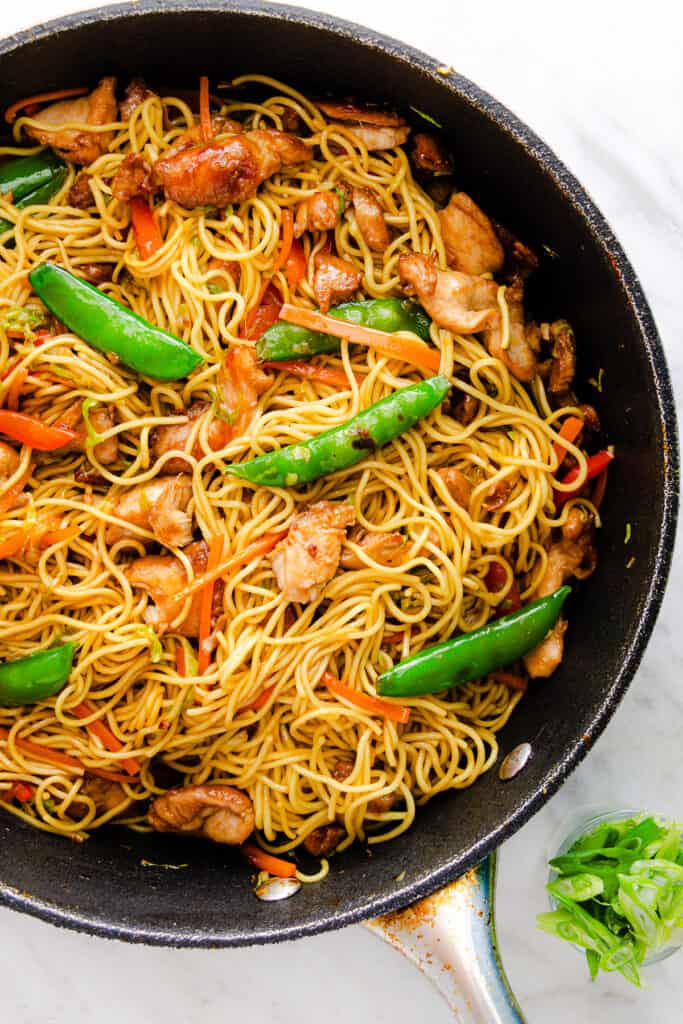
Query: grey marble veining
pixel 603 84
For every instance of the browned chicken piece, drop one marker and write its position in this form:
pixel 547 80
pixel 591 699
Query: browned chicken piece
pixel 80 195
pixel 159 506
pixel 164 578
pixel 229 170
pixel 471 244
pixel 106 795
pixel 9 463
pixel 174 438
pixel 334 279
pixel 563 366
pixel 134 179
pixel 308 557
pixel 520 260
pixel 498 495
pixel 213 811
pixel 193 137
pixel 458 302
pixel 101 419
pixel 96 273
pixel 457 484
pixel 428 155
pixel 566 558
pixel 324 840
pixel 80 147
pixel 519 356
pixel 386 548
pixel 591 420
pixel 136 92
pixel 380 804
pixel 378 138
pixel 349 110
pixel 575 523
pixel 370 219
pixel 291 122
pixel 321 211
pixel 463 407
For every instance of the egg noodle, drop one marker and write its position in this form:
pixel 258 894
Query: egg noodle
pixel 282 753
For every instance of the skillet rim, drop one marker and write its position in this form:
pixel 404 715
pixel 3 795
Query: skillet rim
pixel 574 195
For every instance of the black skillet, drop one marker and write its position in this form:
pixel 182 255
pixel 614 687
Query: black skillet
pixel 102 885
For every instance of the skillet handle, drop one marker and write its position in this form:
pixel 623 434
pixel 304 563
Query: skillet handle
pixel 451 936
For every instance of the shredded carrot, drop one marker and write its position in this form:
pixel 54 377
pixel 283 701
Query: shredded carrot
pixel 42 97
pixel 266 862
pixel 569 431
pixel 13 543
pixel 396 712
pixel 180 659
pixel 309 371
pixel 102 774
pixel 215 555
pixel 51 537
pixel 42 753
pixel 106 737
pixel 259 702
pixel 598 495
pixel 145 228
pixel 515 682
pixel 255 550
pixel 16 387
pixel 286 242
pixel 204 109
pixel 295 265
pixel 410 350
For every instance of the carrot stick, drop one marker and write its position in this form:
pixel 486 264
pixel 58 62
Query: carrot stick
pixel 215 554
pixel 106 737
pixel 102 774
pixel 410 350
pixel 145 228
pixel 287 239
pixel 42 97
pixel 295 265
pixel 59 759
pixel 204 110
pixel 309 371
pixel 23 792
pixel 260 701
pixel 569 431
pixel 255 550
pixel 509 679
pixel 51 537
pixel 266 862
pixel 396 712
pixel 180 659
pixel 13 543
pixel 15 388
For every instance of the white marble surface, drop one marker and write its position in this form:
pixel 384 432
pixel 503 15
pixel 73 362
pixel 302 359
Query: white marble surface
pixel 603 84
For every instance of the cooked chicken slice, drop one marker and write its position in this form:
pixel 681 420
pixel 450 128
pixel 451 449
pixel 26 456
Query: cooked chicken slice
pixel 376 138
pixel 101 418
pixel 498 494
pixel 471 244
pixel 519 356
pixel 229 170
pixel 429 156
pixel 96 273
pixel 80 147
pixel 379 804
pixel 9 463
pixel 241 381
pixel 309 555
pixel 591 420
pixel 134 179
pixel 192 137
pixel 160 506
pixel 385 548
pixel 463 407
pixel 214 811
pixel 457 484
pixel 334 279
pixel 321 211
pixel 106 795
pixel 563 366
pixel 79 195
pixel 370 219
pixel 348 110
pixel 136 92
pixel 520 260
pixel 566 558
pixel 164 578
pixel 458 302
pixel 324 840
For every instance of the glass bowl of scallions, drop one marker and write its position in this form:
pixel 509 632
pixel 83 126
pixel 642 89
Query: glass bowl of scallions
pixel 616 891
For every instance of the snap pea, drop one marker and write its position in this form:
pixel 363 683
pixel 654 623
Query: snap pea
pixel 287 341
pixel 31 180
pixel 110 327
pixel 347 444
pixel 474 655
pixel 35 677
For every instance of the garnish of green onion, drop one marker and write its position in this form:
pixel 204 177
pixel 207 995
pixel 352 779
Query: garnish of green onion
pixel 618 892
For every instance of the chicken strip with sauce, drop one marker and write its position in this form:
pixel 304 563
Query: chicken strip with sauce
pixel 74 144
pixel 159 506
pixel 307 559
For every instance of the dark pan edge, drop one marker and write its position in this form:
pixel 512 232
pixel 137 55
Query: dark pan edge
pixel 575 195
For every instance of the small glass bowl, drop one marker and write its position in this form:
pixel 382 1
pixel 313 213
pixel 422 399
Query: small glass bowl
pixel 580 825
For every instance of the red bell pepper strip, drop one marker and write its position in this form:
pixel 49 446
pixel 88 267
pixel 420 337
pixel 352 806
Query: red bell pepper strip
pixel 32 432
pixel 295 266
pixel 595 464
pixel 147 235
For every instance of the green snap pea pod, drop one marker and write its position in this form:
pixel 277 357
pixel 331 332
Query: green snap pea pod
pixel 36 677
pixel 110 327
pixel 31 180
pixel 473 655
pixel 287 341
pixel 347 444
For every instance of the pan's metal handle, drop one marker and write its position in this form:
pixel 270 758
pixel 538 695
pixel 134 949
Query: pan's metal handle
pixel 451 936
